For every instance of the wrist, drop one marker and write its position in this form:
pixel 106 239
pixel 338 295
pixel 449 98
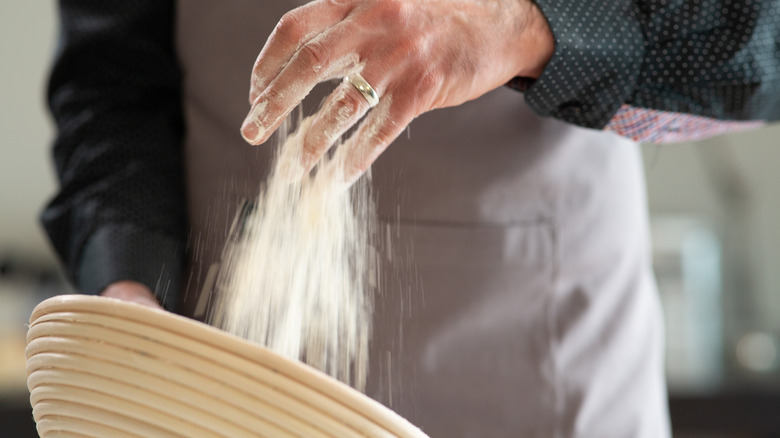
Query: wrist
pixel 538 42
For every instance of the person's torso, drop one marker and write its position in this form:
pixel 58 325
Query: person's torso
pixel 473 198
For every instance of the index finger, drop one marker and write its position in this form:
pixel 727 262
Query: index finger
pixel 294 29
pixel 329 55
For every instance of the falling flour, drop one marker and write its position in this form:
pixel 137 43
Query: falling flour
pixel 300 276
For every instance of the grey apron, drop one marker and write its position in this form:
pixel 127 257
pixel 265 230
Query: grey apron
pixel 519 301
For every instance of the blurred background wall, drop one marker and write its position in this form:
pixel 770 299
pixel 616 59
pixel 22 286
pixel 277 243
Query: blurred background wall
pixel 718 203
pixel 715 209
pixel 27 41
pixel 28 269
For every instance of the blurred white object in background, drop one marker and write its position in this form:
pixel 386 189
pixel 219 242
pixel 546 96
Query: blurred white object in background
pixel 757 352
pixel 687 263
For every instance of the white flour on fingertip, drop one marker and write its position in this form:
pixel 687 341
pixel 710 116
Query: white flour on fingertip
pixel 300 276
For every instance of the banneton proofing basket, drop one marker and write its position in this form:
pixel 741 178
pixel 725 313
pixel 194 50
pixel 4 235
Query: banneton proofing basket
pixel 100 367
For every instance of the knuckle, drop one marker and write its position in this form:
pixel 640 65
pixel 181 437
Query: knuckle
pixel 383 134
pixel 429 80
pixel 291 27
pixel 273 96
pixel 394 11
pixel 314 53
pixel 314 145
pixel 274 105
pixel 419 89
pixel 353 101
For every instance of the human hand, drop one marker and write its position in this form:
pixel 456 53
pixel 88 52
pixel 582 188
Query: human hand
pixel 133 292
pixel 417 55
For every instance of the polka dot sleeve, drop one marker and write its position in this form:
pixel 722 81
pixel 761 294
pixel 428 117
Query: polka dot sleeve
pixel 717 59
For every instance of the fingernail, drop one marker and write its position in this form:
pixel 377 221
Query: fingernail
pixel 252 129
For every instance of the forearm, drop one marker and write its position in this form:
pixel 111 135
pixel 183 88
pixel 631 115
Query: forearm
pixel 713 60
pixel 115 95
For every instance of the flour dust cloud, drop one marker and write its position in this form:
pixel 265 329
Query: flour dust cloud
pixel 300 276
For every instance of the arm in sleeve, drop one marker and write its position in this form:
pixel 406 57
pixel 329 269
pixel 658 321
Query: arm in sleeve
pixel 661 71
pixel 115 94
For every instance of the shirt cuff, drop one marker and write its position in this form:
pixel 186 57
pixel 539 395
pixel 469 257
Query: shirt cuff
pixel 598 56
pixel 646 125
pixel 119 252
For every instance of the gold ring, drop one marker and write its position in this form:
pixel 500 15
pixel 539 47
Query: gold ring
pixel 364 87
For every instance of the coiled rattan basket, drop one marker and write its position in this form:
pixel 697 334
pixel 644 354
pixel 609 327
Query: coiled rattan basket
pixel 99 367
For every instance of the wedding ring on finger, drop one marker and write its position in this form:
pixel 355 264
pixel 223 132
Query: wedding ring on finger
pixel 364 87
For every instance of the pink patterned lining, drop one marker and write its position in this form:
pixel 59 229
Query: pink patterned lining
pixel 653 126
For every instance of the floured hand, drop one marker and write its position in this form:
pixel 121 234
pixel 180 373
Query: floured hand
pixel 418 55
